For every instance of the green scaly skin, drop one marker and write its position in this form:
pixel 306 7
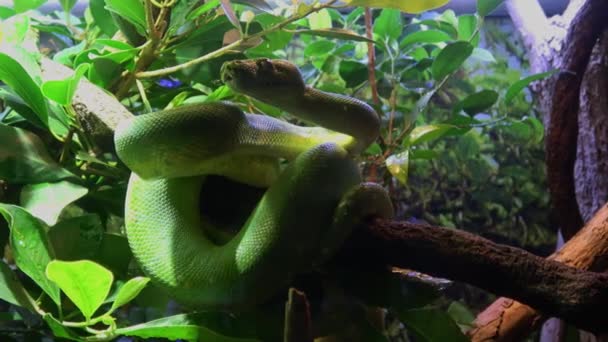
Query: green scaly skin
pixel 304 216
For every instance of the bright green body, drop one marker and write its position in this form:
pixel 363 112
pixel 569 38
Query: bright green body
pixel 307 211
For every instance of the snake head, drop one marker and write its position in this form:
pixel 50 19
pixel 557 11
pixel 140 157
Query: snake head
pixel 262 78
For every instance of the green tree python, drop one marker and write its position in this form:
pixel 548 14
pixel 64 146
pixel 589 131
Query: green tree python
pixel 308 210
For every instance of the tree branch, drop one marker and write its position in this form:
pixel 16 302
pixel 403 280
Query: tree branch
pixel 563 127
pixel 552 287
pixel 529 18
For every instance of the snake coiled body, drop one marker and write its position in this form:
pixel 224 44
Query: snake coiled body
pixel 310 207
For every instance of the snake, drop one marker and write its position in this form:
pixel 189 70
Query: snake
pixel 314 193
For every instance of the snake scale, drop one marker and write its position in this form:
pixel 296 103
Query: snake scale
pixel 308 210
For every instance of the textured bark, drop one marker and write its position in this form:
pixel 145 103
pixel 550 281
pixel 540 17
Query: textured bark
pixel 592 154
pixel 508 320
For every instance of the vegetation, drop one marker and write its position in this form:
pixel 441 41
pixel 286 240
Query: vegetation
pixel 458 148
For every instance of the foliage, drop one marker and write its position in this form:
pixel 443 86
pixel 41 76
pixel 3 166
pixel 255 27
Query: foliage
pixel 65 226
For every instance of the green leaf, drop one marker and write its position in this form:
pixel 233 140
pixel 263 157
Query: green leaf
pixel 31 247
pixel 425 37
pixel 190 327
pixel 518 86
pixel 114 253
pixel 319 20
pixel 132 10
pixel 353 73
pixel 206 7
pixel 422 134
pixel 77 238
pixel 485 7
pixel 398 165
pixel 47 200
pixel 468 145
pixel 335 33
pixel 431 325
pixel 102 17
pixel 11 289
pixel 86 283
pixel 319 48
pixel 478 102
pixel 62 91
pixel 467 24
pixel 410 6
pixel 483 55
pixel 16 77
pixel 67 5
pixel 388 24
pixel 129 291
pixel 229 12
pixel 26 5
pixel 460 313
pixel 450 59
pixel 59 330
pixel 23 158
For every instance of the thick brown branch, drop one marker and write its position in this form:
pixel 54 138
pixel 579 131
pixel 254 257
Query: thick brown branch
pixel 554 288
pixel 563 128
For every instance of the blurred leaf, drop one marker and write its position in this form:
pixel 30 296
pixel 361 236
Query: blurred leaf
pixel 483 55
pixel 77 238
pixel 31 248
pixel 478 102
pixel 129 291
pixel 102 17
pixel 179 15
pixel 59 330
pixel 47 200
pixel 131 10
pixel 451 58
pixel 335 33
pixel 423 154
pixel 114 253
pixel 460 313
pixel 410 6
pixel 388 24
pixel 422 134
pixel 11 289
pixel 67 5
pixel 16 77
pixel 190 327
pixel 230 14
pixel 319 20
pixel 431 325
pixel 26 5
pixel 259 4
pixel 398 166
pixel 62 91
pixel 426 37
pixel 23 158
pixel 518 86
pixel 353 73
pixel 467 23
pixel 485 7
pixel 204 8
pixel 319 48
pixel 468 145
pixel 86 283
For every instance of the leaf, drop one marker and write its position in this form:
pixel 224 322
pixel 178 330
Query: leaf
pixel 229 12
pixel 132 10
pixel 431 325
pixel 388 24
pixel 31 247
pixel 353 73
pixel 62 91
pixel 102 17
pixel 450 59
pixel 335 33
pixel 422 134
pixel 129 291
pixel 26 5
pixel 467 24
pixel 259 4
pixel 319 48
pixel 59 330
pixel 483 55
pixel 67 5
pixel 485 7
pixel 47 200
pixel 16 77
pixel 409 6
pixel 319 20
pixel 206 7
pixel 426 37
pixel 77 238
pixel 86 283
pixel 478 102
pixel 398 166
pixel 11 289
pixel 518 86
pixel 190 327
pixel 114 253
pixel 23 158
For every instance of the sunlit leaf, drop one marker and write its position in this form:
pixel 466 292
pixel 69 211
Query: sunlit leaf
pixel 102 17
pixel 62 91
pixel 86 283
pixel 388 24
pixel 398 166
pixel 26 5
pixel 131 10
pixel 319 20
pixel 129 291
pixel 426 133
